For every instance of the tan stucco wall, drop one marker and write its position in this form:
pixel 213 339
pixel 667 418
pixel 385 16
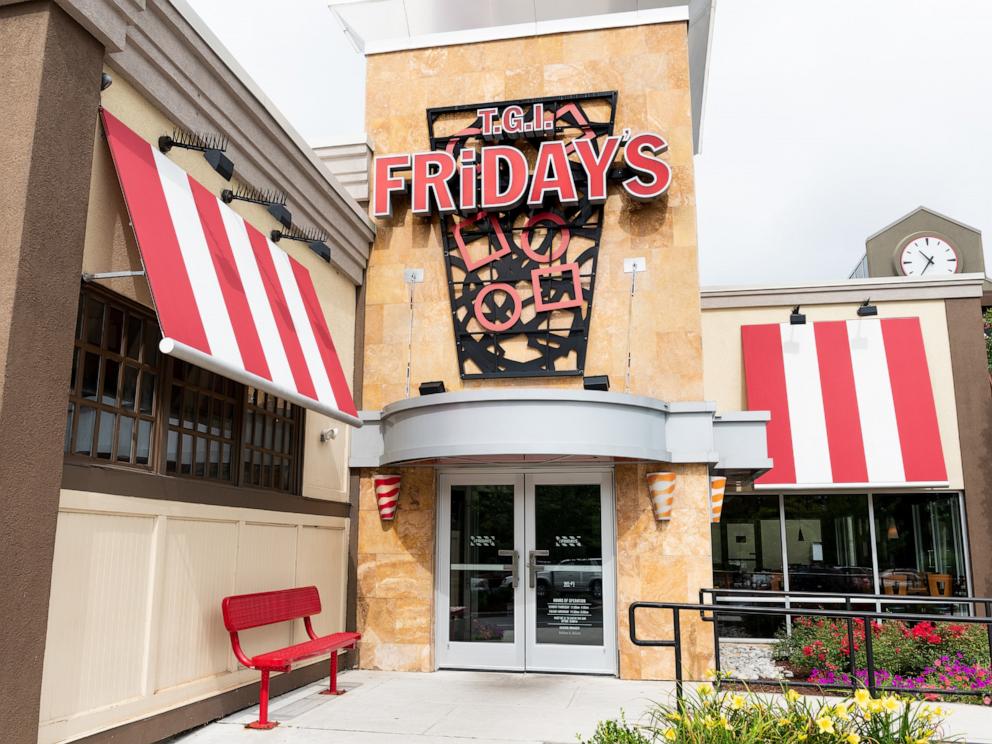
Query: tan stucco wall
pixel 110 246
pixel 723 368
pixel 648 67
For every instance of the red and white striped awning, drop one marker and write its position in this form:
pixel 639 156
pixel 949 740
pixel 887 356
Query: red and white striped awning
pixel 227 298
pixel 851 403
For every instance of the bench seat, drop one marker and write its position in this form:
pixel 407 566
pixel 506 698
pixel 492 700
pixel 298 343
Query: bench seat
pixel 283 658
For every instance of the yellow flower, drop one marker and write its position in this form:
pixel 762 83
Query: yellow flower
pixel 801 737
pixel 711 674
pixel 825 725
pixel 792 696
pixel 890 704
pixel 673 716
pixel 875 706
pixel 853 739
pixel 705 689
pixel 862 698
pixel 939 712
pixel 783 721
pixel 840 711
pixel 670 734
pixel 737 702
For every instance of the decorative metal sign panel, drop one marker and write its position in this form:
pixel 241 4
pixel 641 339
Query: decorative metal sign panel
pixel 521 281
pixel 519 187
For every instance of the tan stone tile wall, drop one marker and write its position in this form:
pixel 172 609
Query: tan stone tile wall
pixel 648 67
pixel 396 575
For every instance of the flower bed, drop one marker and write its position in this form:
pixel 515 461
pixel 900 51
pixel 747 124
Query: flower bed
pixel 946 656
pixel 710 716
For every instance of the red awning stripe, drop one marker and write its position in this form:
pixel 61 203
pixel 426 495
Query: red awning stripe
pixel 862 415
pixel 227 298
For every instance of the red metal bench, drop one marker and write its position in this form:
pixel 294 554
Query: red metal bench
pixel 244 611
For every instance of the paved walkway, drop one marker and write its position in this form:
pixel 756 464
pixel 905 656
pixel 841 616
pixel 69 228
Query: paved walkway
pixel 470 708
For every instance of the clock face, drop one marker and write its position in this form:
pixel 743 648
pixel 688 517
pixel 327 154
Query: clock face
pixel 927 255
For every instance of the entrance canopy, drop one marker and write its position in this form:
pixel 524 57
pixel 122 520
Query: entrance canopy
pixel 227 298
pixel 851 403
pixel 542 426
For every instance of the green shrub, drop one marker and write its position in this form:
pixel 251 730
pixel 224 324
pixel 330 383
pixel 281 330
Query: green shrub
pixel 618 732
pixel 822 643
pixel 711 716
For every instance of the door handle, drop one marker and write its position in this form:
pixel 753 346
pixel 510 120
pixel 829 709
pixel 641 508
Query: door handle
pixel 533 555
pixel 513 565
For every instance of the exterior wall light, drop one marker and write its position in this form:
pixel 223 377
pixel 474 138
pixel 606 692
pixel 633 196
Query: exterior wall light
pixel 661 489
pixel 430 388
pixel 211 145
pixel 314 238
pixel 797 318
pixel 867 309
pixel 273 201
pixel 105 81
pixel 596 382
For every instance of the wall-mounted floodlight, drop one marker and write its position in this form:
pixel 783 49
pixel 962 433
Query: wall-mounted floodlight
pixel 797 318
pixel 432 388
pixel 274 201
pixel 867 309
pixel 596 382
pixel 211 145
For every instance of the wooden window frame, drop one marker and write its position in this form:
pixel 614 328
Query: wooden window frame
pixel 164 370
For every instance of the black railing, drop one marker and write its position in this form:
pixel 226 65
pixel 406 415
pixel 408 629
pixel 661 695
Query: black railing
pixel 711 611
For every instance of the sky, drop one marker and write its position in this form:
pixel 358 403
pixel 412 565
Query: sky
pixel 824 120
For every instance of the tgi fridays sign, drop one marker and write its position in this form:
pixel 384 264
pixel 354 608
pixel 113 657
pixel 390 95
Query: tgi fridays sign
pixel 518 188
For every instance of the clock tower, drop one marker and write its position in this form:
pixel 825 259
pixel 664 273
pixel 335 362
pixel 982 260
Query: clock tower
pixel 924 243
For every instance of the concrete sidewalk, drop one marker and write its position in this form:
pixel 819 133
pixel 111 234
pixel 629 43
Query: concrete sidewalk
pixel 471 708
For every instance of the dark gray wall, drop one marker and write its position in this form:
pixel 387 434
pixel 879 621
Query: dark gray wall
pixel 881 249
pixel 49 84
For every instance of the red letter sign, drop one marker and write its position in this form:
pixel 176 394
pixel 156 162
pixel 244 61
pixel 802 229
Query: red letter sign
pixel 659 175
pixel 386 183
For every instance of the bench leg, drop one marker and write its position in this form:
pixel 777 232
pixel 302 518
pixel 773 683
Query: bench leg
pixel 333 690
pixel 263 721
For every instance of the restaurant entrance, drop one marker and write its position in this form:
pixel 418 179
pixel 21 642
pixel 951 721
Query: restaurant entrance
pixel 527 572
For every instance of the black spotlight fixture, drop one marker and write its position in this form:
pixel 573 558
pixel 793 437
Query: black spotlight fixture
pixel 211 145
pixel 432 387
pixel 797 318
pixel 597 382
pixel 867 309
pixel 105 81
pixel 313 237
pixel 273 201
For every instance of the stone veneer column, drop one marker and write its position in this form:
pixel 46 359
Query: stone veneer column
pixel 49 83
pixel 396 575
pixel 663 561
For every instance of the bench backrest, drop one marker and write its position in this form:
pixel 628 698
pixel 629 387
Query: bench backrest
pixel 244 611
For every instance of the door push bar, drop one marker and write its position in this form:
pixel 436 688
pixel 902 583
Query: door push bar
pixel 513 566
pixel 533 555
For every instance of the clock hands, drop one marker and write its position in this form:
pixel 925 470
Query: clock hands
pixel 929 263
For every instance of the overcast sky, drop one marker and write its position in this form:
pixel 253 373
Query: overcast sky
pixel 825 120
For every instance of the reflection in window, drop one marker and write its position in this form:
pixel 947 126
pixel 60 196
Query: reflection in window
pixel 747 554
pixel 920 545
pixel 828 542
pixel 115 356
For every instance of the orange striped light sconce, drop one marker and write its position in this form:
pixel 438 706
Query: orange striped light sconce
pixel 661 489
pixel 718 484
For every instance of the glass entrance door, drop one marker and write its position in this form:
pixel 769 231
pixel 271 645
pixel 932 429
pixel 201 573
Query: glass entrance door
pixel 526 577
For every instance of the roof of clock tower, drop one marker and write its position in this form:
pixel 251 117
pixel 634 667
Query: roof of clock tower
pixel 881 248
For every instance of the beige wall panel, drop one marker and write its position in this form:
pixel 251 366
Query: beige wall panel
pixel 266 561
pixel 99 612
pixel 136 628
pixel 199 566
pixel 322 560
pixel 723 365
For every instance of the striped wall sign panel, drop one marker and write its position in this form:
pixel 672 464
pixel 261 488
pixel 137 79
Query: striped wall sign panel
pixel 227 298
pixel 851 403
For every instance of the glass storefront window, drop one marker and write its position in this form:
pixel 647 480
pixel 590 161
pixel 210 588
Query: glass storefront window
pixel 828 543
pixel 918 550
pixel 747 554
pixel 920 546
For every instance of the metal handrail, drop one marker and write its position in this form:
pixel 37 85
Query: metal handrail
pixel 854 598
pixel 709 612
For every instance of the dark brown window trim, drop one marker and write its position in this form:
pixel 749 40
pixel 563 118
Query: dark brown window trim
pixel 127 481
